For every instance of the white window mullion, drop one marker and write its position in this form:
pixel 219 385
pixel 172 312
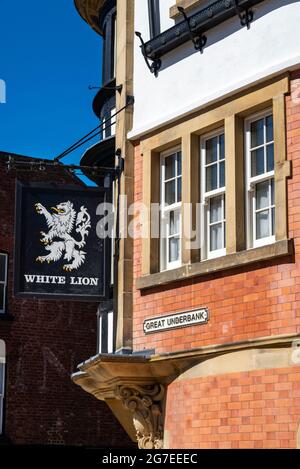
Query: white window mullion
pixel 104 128
pixel 265 146
pixel 270 207
pixel 106 332
pixel 110 332
pixel 113 121
pixel 253 218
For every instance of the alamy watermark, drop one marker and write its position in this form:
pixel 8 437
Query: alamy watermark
pixel 2 92
pixel 138 221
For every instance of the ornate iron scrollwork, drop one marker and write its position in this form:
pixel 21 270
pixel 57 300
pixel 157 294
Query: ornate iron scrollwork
pixel 156 63
pixel 246 16
pixel 198 39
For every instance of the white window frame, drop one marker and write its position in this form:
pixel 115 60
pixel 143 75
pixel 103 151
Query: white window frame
pixel 165 210
pixel 4 283
pixel 109 123
pixel 206 198
pixel 251 183
pixel 2 385
pixel 107 316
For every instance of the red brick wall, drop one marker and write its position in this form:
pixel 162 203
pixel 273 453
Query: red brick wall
pixel 258 409
pixel 244 303
pixel 45 342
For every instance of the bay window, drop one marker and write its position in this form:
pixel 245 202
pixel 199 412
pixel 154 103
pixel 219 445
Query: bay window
pixel 234 206
pixel 260 200
pixel 171 200
pixel 213 195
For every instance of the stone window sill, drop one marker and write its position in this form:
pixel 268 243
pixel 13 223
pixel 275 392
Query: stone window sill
pixel 230 261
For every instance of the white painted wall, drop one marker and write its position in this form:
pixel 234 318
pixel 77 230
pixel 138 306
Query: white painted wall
pixel 233 58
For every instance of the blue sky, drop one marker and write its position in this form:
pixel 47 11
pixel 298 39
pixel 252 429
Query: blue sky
pixel 48 58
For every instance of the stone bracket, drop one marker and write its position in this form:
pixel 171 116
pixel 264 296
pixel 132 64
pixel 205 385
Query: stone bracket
pixel 145 404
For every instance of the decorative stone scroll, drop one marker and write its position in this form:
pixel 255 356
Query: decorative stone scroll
pixel 145 403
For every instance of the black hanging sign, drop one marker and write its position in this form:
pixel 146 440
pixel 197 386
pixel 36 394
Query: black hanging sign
pixel 58 254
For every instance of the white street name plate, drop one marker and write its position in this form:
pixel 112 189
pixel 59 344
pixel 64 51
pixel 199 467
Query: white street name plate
pixel 175 321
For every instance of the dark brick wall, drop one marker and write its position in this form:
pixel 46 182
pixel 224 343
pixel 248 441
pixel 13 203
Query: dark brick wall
pixel 45 341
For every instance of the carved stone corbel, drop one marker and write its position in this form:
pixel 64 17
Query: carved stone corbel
pixel 145 404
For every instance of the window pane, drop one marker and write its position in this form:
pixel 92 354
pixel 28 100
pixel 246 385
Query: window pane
pixel 262 224
pixel 222 174
pixel 270 157
pixel 174 227
pixel 269 129
pixel 211 150
pixel 179 190
pixel 216 209
pixel 170 192
pixel 257 162
pixel 216 237
pixel 211 178
pixel 262 195
pixel 179 164
pixel 2 305
pixel 257 133
pixel 2 267
pixel 272 192
pixel 222 147
pixel 174 249
pixel 273 221
pixel 170 166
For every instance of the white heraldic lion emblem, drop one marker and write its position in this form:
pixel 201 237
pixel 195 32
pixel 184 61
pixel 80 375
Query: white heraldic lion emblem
pixel 59 239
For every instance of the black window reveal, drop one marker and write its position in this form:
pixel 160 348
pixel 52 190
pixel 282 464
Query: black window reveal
pixel 154 17
pixel 3 281
pixel 108 26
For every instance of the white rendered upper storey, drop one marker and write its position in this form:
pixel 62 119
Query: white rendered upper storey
pixel 233 58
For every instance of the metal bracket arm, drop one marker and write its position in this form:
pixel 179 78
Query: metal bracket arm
pixel 156 63
pixel 199 40
pixel 246 16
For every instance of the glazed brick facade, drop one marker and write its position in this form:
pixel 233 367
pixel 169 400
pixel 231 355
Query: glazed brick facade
pixel 245 303
pixel 45 341
pixel 258 409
